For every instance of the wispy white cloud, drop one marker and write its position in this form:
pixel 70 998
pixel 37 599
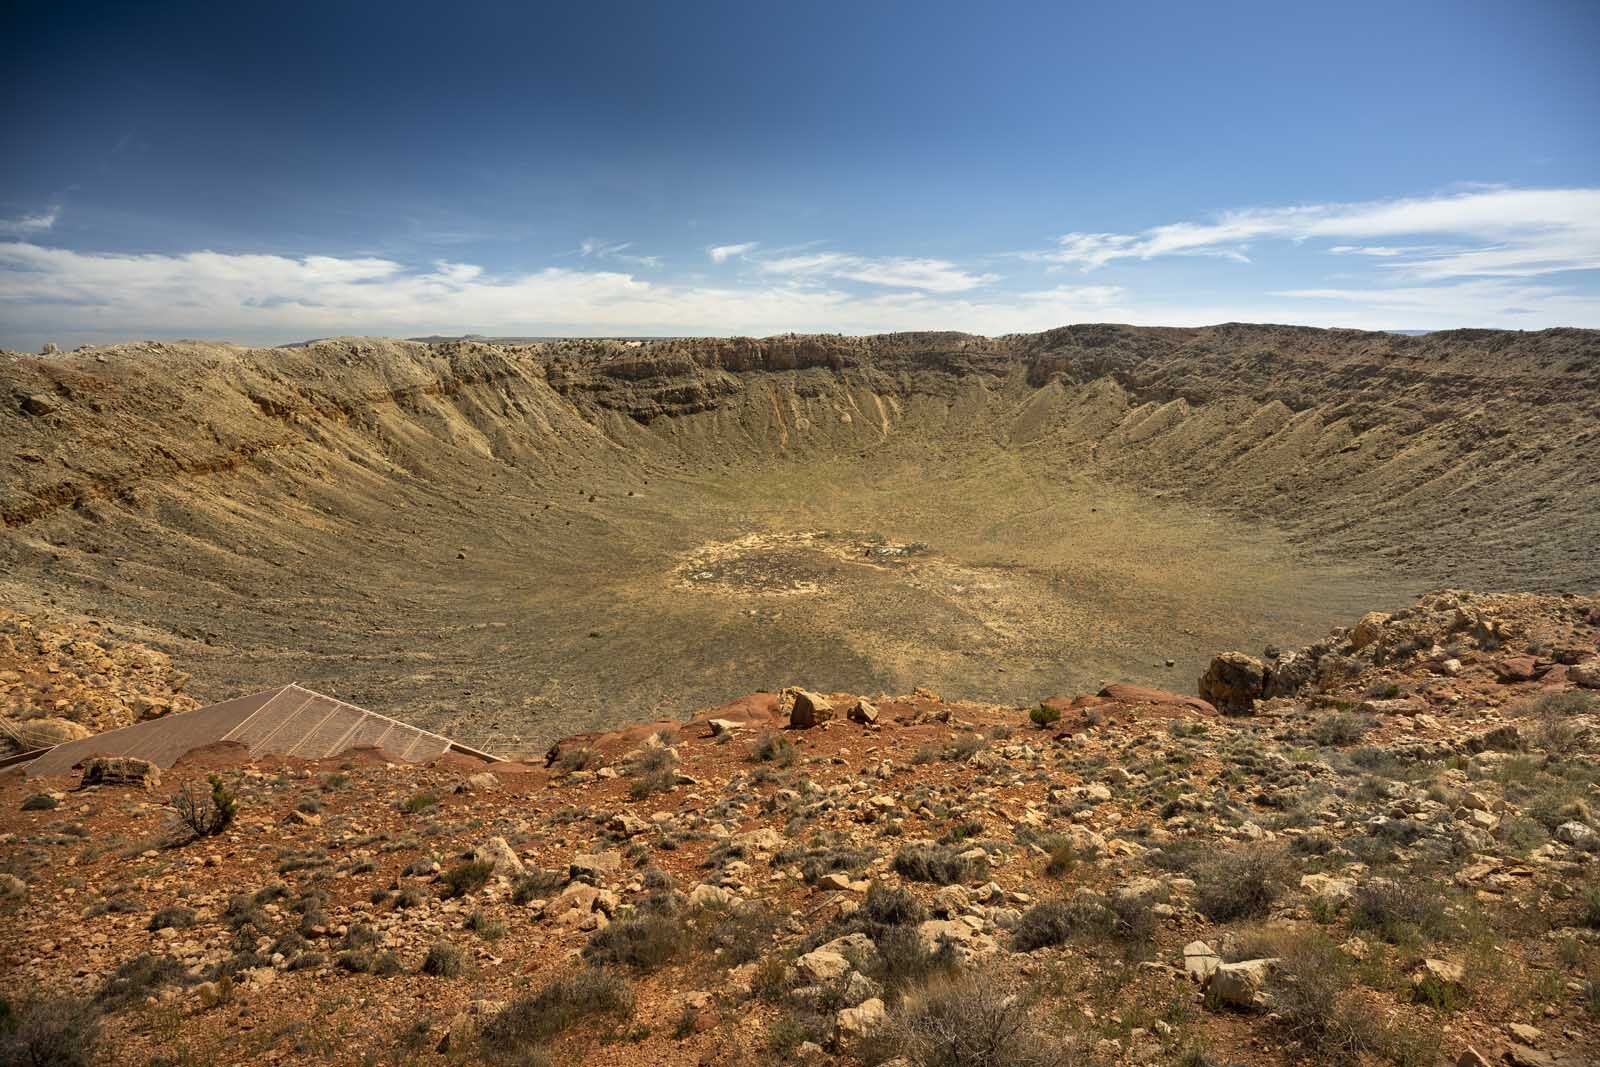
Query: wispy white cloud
pixel 57 294
pixel 723 253
pixel 929 275
pixel 594 248
pixel 30 224
pixel 1489 233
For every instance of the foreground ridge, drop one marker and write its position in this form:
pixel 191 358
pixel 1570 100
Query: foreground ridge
pixel 1381 847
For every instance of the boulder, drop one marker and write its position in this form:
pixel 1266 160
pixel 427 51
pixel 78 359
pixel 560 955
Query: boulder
pixel 1329 887
pixel 39 404
pixel 1368 630
pixel 863 711
pixel 937 932
pixel 1442 973
pixel 43 733
pixel 1233 682
pixel 1579 836
pixel 120 770
pixel 810 709
pixel 595 865
pixel 497 852
pixel 863 1020
pixel 1288 674
pixel 1200 961
pixel 821 965
pixel 1241 985
pixel 1586 675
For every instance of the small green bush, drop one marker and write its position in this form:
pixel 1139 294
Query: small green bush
pixel 40 802
pixel 536 884
pixel 419 802
pixel 1044 717
pixel 466 877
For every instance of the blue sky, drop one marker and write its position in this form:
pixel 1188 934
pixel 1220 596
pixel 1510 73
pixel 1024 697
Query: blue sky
pixel 265 173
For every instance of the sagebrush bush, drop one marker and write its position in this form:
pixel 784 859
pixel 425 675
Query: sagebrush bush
pixel 887 905
pixel 173 916
pixel 772 747
pixel 466 877
pixel 942 865
pixel 51 1033
pixel 137 978
pixel 1241 884
pixel 969 1022
pixel 1403 912
pixel 1055 922
pixel 645 942
pixel 740 934
pixel 536 884
pixel 1043 717
pixel 445 960
pixel 1340 728
pixel 558 1006
pixel 653 770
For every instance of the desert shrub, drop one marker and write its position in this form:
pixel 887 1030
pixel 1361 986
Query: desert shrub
pixel 368 961
pixel 1313 1002
pixel 445 960
pixel 137 978
pixel 1055 922
pixel 906 962
pixel 1564 705
pixel 1402 913
pixel 173 916
pixel 739 935
pixel 485 925
pixel 361 935
pixel 653 770
pixel 1340 728
pixel 925 861
pixel 1589 907
pixel 773 747
pixel 536 884
pixel 40 802
pixel 962 747
pixel 1044 717
pixel 580 758
pixel 51 1033
pixel 466 877
pixel 887 905
pixel 645 942
pixel 1240 885
pixel 558 1006
pixel 205 812
pixel 829 860
pixel 969 1022
pixel 419 802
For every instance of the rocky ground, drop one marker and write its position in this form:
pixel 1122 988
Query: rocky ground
pixel 1381 848
pixel 60 681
